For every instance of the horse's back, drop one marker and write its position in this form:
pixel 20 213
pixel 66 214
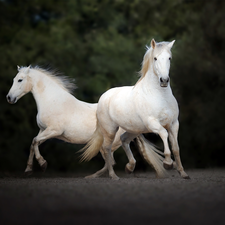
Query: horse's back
pixel 117 106
pixel 76 119
pixel 114 98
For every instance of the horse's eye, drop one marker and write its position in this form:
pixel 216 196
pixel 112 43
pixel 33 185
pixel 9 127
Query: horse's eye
pixel 20 80
pixel 155 58
pixel 169 58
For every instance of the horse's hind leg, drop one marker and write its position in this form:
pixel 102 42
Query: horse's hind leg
pixel 116 144
pixel 126 138
pixel 100 172
pixel 173 132
pixel 107 148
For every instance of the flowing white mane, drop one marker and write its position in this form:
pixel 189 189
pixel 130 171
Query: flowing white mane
pixel 146 61
pixel 65 82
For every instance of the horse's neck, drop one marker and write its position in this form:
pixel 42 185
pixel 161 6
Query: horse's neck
pixel 46 90
pixel 150 85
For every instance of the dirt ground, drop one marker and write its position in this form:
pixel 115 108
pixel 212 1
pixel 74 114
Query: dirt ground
pixel 137 199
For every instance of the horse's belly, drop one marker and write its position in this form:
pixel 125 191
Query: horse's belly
pixel 132 125
pixel 80 129
pixel 74 126
pixel 71 138
pixel 126 117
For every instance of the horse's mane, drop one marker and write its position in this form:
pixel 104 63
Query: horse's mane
pixel 145 64
pixel 147 60
pixel 65 82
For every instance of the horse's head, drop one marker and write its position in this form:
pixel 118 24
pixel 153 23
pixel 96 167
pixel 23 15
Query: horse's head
pixel 21 85
pixel 161 56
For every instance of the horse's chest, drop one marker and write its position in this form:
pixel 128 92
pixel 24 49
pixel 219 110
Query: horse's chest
pixel 165 117
pixel 165 110
pixel 46 118
pixel 41 122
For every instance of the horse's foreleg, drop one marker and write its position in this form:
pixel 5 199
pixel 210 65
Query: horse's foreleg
pixel 167 162
pixel 42 162
pixel 29 168
pixel 39 139
pixel 173 132
pixel 155 127
pixel 126 138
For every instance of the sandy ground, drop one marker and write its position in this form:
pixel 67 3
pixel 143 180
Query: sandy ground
pixel 138 199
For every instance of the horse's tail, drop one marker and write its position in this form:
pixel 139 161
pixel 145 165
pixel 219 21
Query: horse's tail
pixel 152 155
pixel 93 146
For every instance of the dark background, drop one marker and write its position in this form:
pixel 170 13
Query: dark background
pixel 101 44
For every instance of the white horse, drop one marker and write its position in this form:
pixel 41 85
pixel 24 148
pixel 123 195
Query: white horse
pixel 149 106
pixel 62 116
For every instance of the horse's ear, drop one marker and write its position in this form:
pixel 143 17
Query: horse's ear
pixel 170 45
pixel 153 43
pixel 27 69
pixel 18 68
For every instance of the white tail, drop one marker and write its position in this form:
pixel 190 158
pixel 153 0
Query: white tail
pixel 152 155
pixel 93 146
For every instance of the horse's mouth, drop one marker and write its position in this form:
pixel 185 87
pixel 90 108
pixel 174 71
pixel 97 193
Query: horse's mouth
pixel 164 85
pixel 12 102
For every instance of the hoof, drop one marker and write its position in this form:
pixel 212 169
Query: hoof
pixel 115 178
pixel 44 166
pixel 127 170
pixel 167 166
pixel 174 165
pixel 93 176
pixel 28 173
pixel 184 175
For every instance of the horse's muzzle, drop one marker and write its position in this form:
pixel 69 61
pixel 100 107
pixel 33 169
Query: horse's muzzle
pixel 11 100
pixel 164 82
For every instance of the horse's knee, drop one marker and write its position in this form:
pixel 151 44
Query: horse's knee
pixel 34 142
pixel 123 137
pixel 163 134
pixel 126 138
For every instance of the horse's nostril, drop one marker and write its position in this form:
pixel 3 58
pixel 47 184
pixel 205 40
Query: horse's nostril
pixel 164 80
pixel 8 97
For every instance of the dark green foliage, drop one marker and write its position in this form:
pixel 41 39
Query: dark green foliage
pixel 101 44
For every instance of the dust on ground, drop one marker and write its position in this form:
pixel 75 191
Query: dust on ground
pixel 139 199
